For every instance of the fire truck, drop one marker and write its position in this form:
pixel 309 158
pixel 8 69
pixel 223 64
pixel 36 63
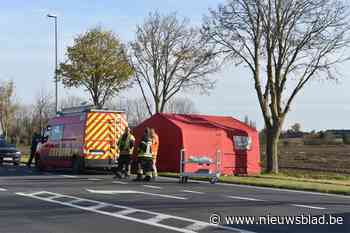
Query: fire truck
pixel 81 138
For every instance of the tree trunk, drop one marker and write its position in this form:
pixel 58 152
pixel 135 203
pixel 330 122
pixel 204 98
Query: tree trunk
pixel 272 139
pixel 97 102
pixel 156 106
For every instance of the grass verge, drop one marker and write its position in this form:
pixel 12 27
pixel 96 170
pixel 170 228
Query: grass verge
pixel 286 182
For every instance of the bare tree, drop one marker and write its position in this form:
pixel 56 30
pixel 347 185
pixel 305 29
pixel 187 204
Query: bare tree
pixel 72 101
pixel 43 110
pixel 169 56
pixel 249 122
pixel 181 106
pixel 136 111
pixel 285 44
pixel 7 106
pixel 22 129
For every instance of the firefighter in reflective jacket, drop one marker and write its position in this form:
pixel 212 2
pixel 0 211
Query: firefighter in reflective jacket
pixel 126 147
pixel 144 157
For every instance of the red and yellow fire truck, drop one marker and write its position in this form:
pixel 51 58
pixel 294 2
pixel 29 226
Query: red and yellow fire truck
pixel 81 138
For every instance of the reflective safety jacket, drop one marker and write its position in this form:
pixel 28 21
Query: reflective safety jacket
pixel 145 149
pixel 155 146
pixel 126 144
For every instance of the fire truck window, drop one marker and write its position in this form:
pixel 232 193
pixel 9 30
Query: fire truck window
pixel 56 132
pixel 47 131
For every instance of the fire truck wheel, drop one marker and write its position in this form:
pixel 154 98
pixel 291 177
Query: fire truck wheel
pixel 77 165
pixel 38 164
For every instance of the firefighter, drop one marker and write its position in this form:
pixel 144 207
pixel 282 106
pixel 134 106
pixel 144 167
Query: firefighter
pixel 126 147
pixel 155 146
pixel 35 141
pixel 144 157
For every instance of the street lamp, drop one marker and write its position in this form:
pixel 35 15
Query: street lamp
pixel 56 78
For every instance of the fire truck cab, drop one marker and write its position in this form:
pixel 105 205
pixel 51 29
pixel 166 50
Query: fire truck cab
pixel 81 138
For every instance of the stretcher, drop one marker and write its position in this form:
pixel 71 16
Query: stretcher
pixel 206 167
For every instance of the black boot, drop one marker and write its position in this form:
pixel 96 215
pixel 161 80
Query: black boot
pixel 138 178
pixel 117 175
pixel 147 179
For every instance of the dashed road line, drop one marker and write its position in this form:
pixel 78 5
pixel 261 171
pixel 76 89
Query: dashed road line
pixel 309 206
pixel 119 182
pixel 164 195
pixel 152 187
pixel 69 176
pixel 134 192
pixel 94 179
pixel 3 190
pixel 155 220
pixel 191 191
pixel 111 191
pixel 244 198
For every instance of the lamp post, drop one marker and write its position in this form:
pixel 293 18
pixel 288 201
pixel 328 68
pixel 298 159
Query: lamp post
pixel 56 78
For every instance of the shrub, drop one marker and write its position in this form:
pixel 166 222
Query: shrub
pixel 313 141
pixel 346 139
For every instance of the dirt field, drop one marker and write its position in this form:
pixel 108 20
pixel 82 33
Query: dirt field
pixel 332 158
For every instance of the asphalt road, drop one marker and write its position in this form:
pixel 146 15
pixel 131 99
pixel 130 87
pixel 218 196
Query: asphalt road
pixel 59 202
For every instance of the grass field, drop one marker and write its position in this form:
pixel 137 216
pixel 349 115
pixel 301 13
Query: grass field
pixel 331 158
pixel 287 182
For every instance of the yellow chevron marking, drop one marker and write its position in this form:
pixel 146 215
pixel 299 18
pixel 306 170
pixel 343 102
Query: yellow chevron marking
pixel 93 117
pixel 93 128
pixel 101 134
pixel 98 128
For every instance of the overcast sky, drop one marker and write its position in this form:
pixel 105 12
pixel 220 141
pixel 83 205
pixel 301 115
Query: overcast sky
pixel 26 56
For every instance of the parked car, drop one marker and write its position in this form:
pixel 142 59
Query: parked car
pixel 9 153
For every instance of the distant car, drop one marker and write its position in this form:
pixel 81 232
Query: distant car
pixel 9 153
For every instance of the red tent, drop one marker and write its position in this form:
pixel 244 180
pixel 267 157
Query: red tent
pixel 204 135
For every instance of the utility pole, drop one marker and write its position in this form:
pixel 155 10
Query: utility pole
pixel 56 65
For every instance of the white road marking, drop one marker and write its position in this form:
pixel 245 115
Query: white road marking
pixel 265 188
pixel 190 191
pixel 195 227
pixel 111 191
pixel 134 192
pixel 119 182
pixel 163 195
pixel 152 187
pixel 244 198
pixel 94 179
pixel 157 218
pixel 99 206
pixel 74 201
pixel 126 212
pixel 310 207
pixel 192 223
pixel 2 189
pixel 69 176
